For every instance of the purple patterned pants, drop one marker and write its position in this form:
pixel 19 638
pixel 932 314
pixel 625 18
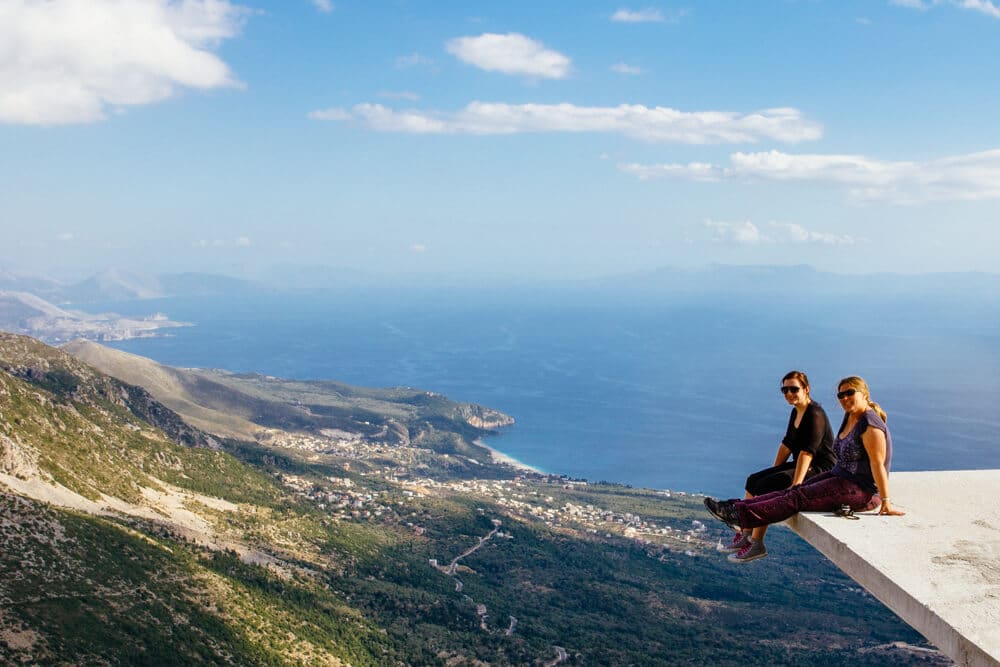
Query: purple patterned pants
pixel 823 493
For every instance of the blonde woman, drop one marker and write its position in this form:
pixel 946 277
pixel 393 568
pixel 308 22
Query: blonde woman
pixel 863 448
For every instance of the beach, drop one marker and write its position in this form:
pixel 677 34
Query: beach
pixel 500 457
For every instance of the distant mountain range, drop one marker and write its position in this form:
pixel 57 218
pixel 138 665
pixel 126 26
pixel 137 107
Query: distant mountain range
pixel 802 279
pixel 111 285
pixel 21 312
pixel 55 312
pixel 114 285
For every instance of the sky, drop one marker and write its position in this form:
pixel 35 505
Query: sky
pixel 506 140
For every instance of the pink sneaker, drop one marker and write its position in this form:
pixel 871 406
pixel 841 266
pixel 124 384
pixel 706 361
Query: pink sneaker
pixel 740 540
pixel 752 551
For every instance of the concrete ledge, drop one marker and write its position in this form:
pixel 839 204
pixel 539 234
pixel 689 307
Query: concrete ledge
pixel 938 567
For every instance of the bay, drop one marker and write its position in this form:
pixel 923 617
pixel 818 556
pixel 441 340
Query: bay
pixel 655 391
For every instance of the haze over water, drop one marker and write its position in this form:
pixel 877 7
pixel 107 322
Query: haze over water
pixel 661 393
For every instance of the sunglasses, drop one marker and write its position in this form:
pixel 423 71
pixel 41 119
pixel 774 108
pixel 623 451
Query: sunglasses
pixel 846 393
pixel 793 390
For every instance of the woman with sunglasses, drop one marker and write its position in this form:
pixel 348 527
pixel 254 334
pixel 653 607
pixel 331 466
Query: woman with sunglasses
pixel 863 448
pixel 805 451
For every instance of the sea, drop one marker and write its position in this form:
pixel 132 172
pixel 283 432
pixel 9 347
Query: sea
pixel 645 389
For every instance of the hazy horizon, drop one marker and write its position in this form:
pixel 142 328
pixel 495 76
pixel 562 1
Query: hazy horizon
pixel 560 141
pixel 290 276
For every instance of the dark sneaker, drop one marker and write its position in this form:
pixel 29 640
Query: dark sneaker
pixel 752 551
pixel 740 540
pixel 724 511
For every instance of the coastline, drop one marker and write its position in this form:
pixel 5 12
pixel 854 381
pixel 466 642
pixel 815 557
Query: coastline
pixel 500 457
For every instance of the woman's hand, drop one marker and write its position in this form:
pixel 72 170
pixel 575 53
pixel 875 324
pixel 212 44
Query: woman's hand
pixel 874 442
pixel 887 510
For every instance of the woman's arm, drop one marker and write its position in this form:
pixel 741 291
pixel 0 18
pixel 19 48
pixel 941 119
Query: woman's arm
pixel 801 467
pixel 874 441
pixel 782 455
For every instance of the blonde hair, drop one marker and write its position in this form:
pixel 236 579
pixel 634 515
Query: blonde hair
pixel 855 382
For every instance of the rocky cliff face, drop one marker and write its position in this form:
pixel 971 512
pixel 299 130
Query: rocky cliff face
pixel 485 418
pixel 397 433
pixel 139 402
pixel 17 459
pixel 71 380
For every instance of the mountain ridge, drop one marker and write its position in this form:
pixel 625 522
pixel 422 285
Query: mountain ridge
pixel 243 405
pixel 111 284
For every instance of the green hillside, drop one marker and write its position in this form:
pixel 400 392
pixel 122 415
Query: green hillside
pixel 265 409
pixel 129 537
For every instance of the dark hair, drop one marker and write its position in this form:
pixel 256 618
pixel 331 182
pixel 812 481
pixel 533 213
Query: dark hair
pixel 854 382
pixel 797 375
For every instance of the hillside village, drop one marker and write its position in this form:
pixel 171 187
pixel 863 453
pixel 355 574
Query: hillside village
pixel 525 497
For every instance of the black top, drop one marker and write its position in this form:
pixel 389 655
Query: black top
pixel 813 435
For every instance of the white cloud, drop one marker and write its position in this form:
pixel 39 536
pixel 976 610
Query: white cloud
pixel 988 7
pixel 65 237
pixel 649 15
pixel 739 233
pixel 325 6
pixel 333 113
pixel 746 232
pixel 74 61
pixel 412 60
pixel 693 171
pixel 512 53
pixel 971 177
pixel 790 232
pixel 634 120
pixel 243 242
pixel 982 6
pixel 850 169
pixel 622 68
pixel 418 248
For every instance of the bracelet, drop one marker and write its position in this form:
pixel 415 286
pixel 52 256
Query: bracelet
pixel 884 499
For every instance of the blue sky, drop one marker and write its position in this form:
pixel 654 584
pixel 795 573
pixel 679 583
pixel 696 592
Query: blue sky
pixel 498 139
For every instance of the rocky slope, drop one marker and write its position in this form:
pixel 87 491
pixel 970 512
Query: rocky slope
pixel 129 537
pixel 253 406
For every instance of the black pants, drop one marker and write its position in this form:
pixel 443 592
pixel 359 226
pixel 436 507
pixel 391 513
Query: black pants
pixel 774 479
